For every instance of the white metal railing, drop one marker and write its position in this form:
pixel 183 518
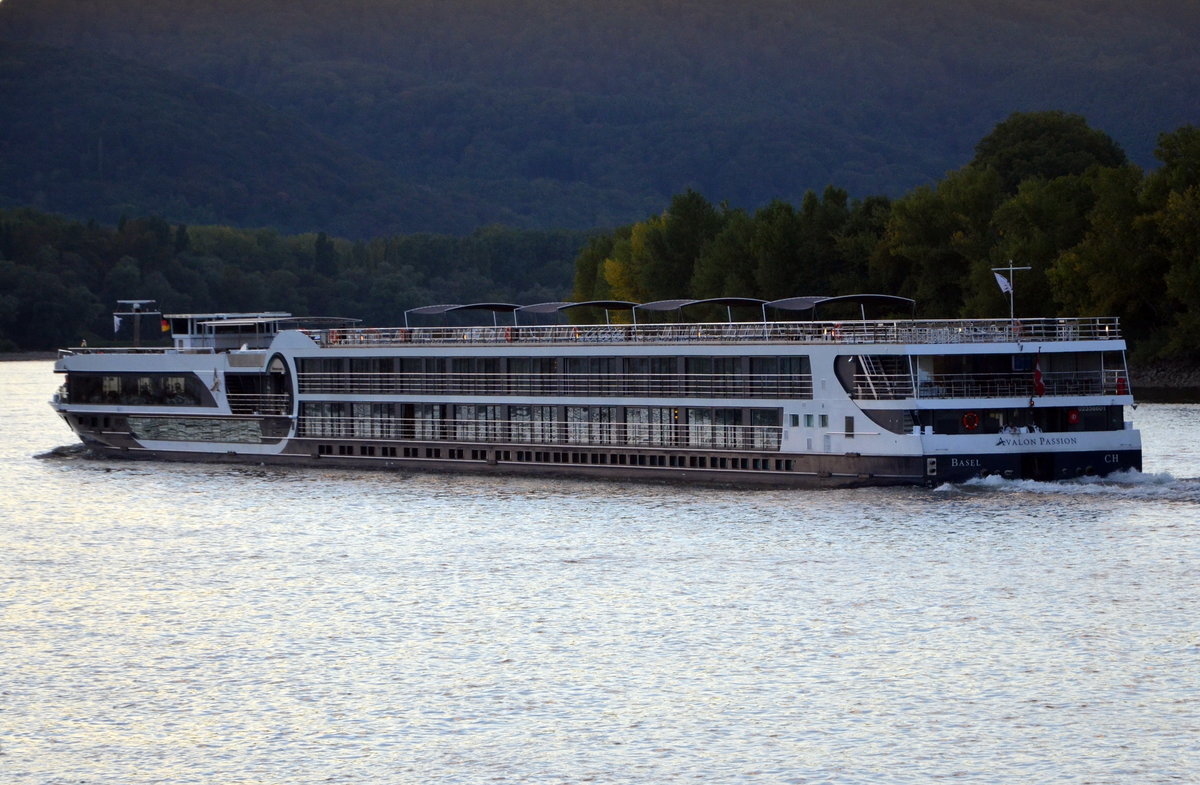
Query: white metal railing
pixel 989 385
pixel 932 331
pixel 135 350
pixel 259 403
pixel 693 435
pixel 657 385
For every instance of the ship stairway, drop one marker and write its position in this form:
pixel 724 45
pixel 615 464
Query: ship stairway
pixel 871 371
pixel 885 376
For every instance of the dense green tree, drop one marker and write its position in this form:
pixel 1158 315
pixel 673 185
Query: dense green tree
pixel 1173 194
pixel 936 235
pixel 1032 228
pixel 1044 145
pixel 665 249
pixel 776 246
pixel 589 269
pixel 726 265
pixel 1113 270
pixel 324 255
pixel 855 243
pixel 60 278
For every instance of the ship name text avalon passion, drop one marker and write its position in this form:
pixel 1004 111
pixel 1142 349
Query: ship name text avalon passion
pixel 803 402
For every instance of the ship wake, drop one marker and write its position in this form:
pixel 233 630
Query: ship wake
pixel 1126 484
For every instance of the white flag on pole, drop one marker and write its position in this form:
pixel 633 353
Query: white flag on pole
pixel 1005 286
pixel 116 324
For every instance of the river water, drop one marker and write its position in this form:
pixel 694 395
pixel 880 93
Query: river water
pixel 175 623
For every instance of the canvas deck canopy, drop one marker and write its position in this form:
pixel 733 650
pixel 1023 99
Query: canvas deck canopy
pixel 809 303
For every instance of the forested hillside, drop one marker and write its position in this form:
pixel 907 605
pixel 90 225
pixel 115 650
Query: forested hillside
pixel 1043 191
pixel 61 278
pixel 371 117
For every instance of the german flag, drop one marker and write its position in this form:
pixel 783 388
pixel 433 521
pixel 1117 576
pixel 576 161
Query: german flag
pixel 165 326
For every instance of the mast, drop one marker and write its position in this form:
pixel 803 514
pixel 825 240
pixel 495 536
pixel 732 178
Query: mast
pixel 1009 285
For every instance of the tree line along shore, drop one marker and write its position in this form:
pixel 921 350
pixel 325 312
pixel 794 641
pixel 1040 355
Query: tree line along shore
pixel 1044 190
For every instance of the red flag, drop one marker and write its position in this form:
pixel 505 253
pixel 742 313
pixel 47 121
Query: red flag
pixel 1039 386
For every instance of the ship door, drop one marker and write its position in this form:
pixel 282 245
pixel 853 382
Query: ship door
pixel 279 384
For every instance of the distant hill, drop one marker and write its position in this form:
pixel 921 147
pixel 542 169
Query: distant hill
pixel 93 135
pixel 373 116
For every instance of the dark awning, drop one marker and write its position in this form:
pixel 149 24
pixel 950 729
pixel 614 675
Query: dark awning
pixel 545 307
pixel 811 303
pixel 797 303
pixel 431 310
pixel 608 305
pixel 663 305
pixel 438 310
pixel 731 302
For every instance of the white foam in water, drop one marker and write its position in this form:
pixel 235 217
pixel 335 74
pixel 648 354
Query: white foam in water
pixel 1130 484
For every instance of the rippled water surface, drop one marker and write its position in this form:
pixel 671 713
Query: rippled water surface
pixel 175 623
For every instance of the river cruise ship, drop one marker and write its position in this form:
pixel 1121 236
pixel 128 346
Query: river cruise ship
pixel 772 401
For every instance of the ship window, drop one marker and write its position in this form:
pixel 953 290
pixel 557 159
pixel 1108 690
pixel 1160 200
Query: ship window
pixel 604 425
pixel 764 429
pixel 137 390
pixel 849 427
pixel 577 424
pixel 700 427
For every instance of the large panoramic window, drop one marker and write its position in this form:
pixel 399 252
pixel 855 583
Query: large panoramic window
pixel 131 389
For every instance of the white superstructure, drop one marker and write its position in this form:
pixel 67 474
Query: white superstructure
pixel 852 402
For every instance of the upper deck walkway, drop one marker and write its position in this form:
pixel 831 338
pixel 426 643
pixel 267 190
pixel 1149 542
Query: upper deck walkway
pixel 934 331
pixel 903 331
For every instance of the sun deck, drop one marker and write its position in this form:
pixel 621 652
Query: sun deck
pixel 938 331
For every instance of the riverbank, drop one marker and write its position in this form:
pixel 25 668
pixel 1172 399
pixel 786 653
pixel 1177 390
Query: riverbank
pixel 26 356
pixel 1166 381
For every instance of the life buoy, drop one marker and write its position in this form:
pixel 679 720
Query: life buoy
pixel 970 421
pixel 1073 416
pixel 508 334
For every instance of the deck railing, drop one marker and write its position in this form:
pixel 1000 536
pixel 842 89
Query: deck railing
pixel 656 385
pixel 829 332
pixel 729 437
pixel 136 350
pixel 989 385
pixel 259 403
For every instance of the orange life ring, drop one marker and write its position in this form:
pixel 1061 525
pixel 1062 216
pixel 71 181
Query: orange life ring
pixel 1073 416
pixel 970 421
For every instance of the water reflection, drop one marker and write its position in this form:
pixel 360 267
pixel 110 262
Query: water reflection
pixel 199 623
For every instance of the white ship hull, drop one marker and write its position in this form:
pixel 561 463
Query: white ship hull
pixel 780 403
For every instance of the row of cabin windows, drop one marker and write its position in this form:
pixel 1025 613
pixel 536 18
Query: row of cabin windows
pixel 798 364
pixel 644 376
pixel 730 428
